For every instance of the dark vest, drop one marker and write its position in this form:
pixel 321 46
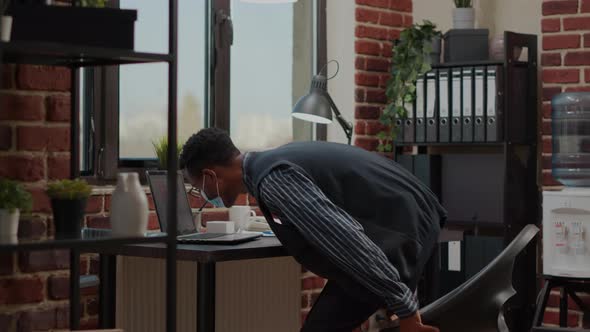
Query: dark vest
pixel 399 213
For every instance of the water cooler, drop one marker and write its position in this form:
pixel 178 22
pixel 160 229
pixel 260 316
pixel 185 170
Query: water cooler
pixel 566 211
pixel 566 238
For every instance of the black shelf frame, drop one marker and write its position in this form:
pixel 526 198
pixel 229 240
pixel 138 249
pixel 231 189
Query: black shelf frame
pixel 75 242
pixel 517 149
pixel 76 57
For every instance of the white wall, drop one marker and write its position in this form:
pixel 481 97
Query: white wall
pixel 340 22
pixel 497 15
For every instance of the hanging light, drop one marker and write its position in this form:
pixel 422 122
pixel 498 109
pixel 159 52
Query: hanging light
pixel 269 1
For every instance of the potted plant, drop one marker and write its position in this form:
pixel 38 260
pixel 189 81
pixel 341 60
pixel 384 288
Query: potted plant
pixel 5 21
pixel 68 202
pixel 161 150
pixel 14 199
pixel 411 59
pixel 463 15
pixel 85 23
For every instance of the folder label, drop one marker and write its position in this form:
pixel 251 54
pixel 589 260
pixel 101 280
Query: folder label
pixel 491 104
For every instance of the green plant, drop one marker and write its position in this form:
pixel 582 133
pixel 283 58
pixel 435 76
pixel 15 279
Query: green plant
pixel 161 149
pixel 3 6
pixel 69 189
pixel 410 60
pixel 463 3
pixel 93 3
pixel 14 196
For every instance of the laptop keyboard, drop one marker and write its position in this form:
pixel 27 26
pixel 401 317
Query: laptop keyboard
pixel 201 236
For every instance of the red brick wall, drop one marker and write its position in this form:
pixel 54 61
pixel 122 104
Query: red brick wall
pixel 565 62
pixel 378 23
pixel 34 148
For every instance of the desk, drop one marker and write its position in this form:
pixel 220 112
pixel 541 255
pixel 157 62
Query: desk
pixel 206 257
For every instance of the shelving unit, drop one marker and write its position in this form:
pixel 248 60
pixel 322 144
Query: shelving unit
pixel 498 176
pixel 76 57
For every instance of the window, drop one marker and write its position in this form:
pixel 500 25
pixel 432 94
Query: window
pixel 244 80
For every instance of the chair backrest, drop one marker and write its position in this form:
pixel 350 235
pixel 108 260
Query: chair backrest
pixel 477 304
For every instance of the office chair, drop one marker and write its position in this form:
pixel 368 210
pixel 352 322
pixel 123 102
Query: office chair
pixel 477 304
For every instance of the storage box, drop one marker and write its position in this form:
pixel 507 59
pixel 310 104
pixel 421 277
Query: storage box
pixel 82 26
pixel 466 45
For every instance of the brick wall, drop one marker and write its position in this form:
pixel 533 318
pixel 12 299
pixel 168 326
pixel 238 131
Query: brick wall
pixel 34 148
pixel 565 62
pixel 378 23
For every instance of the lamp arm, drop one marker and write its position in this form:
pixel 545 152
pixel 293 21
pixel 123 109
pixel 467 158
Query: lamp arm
pixel 346 126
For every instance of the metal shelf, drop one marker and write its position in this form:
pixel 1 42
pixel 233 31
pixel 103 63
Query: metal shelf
pixel 57 54
pixel 89 239
pixel 450 144
pixel 468 64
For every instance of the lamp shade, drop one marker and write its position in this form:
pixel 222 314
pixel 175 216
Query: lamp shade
pixel 314 106
pixel 269 1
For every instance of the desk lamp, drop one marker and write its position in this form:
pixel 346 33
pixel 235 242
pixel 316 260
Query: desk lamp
pixel 317 105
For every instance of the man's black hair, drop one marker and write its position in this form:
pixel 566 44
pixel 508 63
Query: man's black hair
pixel 209 147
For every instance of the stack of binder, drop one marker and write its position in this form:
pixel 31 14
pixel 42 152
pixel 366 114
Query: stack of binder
pixel 457 104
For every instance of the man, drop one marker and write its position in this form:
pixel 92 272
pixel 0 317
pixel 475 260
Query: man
pixel 348 215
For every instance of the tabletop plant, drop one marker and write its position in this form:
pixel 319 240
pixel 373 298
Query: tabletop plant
pixel 410 60
pixel 463 3
pixel 13 196
pixel 161 150
pixel 69 189
pixel 68 202
pixel 14 199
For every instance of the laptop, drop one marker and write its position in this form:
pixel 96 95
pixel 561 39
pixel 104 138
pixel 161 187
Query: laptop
pixel 187 231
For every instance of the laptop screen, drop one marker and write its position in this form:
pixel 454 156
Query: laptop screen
pixel 159 187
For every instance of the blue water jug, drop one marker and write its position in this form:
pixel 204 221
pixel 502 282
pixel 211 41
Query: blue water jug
pixel 571 138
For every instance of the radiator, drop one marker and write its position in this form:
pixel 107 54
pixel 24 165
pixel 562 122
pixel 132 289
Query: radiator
pixel 261 295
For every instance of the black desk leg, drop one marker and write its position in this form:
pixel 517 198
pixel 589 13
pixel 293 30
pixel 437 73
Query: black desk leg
pixel 107 291
pixel 563 307
pixel 206 297
pixel 74 289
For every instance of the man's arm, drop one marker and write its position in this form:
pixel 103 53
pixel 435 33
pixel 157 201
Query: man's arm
pixel 336 234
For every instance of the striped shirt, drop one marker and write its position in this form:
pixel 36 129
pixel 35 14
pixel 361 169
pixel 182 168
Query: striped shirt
pixel 299 202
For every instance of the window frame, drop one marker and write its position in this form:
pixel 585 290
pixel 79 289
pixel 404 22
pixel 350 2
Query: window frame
pixel 101 95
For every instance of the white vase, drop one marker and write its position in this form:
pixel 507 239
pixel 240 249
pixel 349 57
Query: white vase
pixel 6 27
pixel 129 207
pixel 9 222
pixel 463 18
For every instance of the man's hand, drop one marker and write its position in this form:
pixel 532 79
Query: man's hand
pixel 414 324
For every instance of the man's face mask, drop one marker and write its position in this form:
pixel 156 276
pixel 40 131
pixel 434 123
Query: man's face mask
pixel 216 201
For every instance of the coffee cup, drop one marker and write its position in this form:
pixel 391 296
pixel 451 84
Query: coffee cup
pixel 240 215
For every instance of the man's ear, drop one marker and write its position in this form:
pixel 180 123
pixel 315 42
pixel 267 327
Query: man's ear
pixel 209 172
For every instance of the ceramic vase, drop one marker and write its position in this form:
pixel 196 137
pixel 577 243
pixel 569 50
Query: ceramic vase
pixel 129 207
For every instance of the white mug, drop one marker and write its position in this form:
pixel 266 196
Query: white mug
pixel 240 215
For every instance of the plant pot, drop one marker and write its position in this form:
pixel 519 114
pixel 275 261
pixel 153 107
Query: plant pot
pixel 5 27
pixel 435 51
pixel 463 18
pixel 68 215
pixel 99 27
pixel 9 223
